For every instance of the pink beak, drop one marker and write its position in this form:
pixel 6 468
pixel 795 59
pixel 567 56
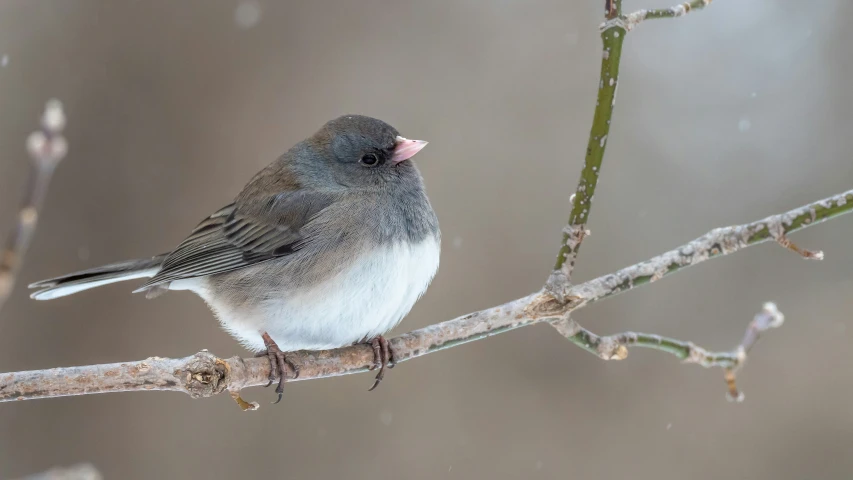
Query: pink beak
pixel 406 149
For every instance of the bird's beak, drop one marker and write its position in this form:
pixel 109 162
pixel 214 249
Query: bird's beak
pixel 406 149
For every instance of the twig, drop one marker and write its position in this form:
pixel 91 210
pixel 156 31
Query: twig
pixel 614 347
pixel 717 242
pixel 83 471
pixel 575 232
pixel 633 19
pixel 782 240
pixel 204 375
pixel 46 147
pixel 613 32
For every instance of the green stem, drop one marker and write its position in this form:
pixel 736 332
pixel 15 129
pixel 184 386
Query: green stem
pixel 678 10
pixel 604 346
pixel 612 38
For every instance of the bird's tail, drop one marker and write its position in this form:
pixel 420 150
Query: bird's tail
pixel 95 277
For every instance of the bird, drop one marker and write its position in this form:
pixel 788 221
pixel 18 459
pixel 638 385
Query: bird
pixel 329 245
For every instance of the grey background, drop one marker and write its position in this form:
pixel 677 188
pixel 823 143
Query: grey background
pixel 723 117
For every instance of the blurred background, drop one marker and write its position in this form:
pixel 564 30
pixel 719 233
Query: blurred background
pixel 723 117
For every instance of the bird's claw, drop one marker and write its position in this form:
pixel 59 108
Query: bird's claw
pixel 383 357
pixel 279 364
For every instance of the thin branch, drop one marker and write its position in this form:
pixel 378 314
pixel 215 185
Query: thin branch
pixel 575 231
pixel 613 32
pixel 633 19
pixel 204 375
pixel 717 242
pixel 614 347
pixel 46 147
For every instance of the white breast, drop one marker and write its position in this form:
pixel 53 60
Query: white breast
pixel 368 299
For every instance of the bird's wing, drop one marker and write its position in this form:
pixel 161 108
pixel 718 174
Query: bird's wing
pixel 237 236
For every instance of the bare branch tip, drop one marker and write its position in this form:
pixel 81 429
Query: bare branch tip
pixel 47 146
pixel 785 242
pixel 736 397
pixel 770 316
pixel 244 405
pixel 733 394
pixel 696 354
pixel 618 22
pixel 53 118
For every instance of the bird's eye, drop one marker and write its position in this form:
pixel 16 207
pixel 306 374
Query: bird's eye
pixel 369 159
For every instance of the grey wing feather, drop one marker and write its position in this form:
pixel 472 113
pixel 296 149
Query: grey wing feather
pixel 235 237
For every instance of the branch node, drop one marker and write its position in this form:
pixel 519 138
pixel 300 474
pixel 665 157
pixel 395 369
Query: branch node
pixel 697 354
pixel 46 148
pixel 544 306
pixel 633 19
pixel 618 22
pixel 609 348
pixel 205 375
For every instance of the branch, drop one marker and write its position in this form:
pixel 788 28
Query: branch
pixel 613 32
pixel 614 347
pixel 47 147
pixel 575 231
pixel 717 242
pixel 204 375
pixel 633 19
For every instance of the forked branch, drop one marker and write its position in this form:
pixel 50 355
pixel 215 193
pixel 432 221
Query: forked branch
pixel 615 347
pixel 204 374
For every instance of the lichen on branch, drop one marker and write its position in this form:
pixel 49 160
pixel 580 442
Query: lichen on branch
pixel 204 374
pixel 608 83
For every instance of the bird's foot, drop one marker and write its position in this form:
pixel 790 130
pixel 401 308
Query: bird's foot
pixel 383 357
pixel 279 365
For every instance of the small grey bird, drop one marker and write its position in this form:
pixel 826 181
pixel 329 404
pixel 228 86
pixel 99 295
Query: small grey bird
pixel 330 245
